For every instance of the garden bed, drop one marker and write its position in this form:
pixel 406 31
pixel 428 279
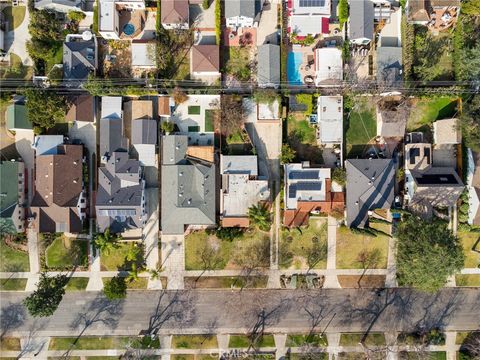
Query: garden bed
pixel 243 341
pixel 226 282
pixel 353 339
pixel 102 343
pixel 194 342
pixel 368 281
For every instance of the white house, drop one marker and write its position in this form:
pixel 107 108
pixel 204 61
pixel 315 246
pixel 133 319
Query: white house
pixel 309 17
pixel 328 66
pixel 242 13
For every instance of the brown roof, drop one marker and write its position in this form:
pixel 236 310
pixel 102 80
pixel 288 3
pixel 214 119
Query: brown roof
pixel 81 109
pixel 418 10
pixel 58 185
pixel 164 105
pixel 235 222
pixel 201 152
pixel 174 11
pixel 205 58
pixel 139 109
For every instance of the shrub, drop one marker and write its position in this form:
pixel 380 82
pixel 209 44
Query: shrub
pixel 218 21
pixel 343 12
pixel 167 126
pixel 179 96
pixel 116 288
pixel 228 233
pixel 340 176
pixel 76 16
pixel 205 4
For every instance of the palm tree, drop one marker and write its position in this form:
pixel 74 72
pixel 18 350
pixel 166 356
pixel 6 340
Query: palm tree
pixel 260 216
pixel 106 241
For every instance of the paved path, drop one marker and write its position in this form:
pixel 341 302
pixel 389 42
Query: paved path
pixel 34 260
pixel 267 28
pixel 391 279
pixel 331 280
pixel 173 260
pixel 150 236
pixel 281 311
pixel 15 41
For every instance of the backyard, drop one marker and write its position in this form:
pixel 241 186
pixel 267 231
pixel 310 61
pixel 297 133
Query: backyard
pixel 361 127
pixel 303 139
pixel 469 240
pixel 207 251
pixel 65 253
pixel 305 247
pixel 351 244
pixel 424 111
pixel 238 63
pixel 12 260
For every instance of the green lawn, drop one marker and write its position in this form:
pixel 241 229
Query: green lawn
pixel 461 336
pixel 469 239
pixel 63 253
pixel 14 15
pixel 302 130
pixel 298 340
pixel 220 252
pixel 308 356
pixel 426 110
pixel 362 127
pixel 209 120
pixel 194 342
pixel 13 284
pixel 102 343
pixel 436 355
pixel 226 282
pixel 194 110
pixel 138 284
pixel 242 341
pixel 349 246
pixel 76 284
pixel 298 246
pixel 10 344
pixel 12 260
pixel 372 339
pixel 307 100
pixel 116 259
pixel 238 62
pixel 467 280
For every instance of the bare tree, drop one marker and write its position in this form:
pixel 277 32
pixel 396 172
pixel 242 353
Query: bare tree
pixel 471 345
pixel 231 117
pixel 210 258
pixel 252 258
pixel 368 259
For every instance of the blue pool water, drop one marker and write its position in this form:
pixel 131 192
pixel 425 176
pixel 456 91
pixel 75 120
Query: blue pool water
pixel 294 60
pixel 128 29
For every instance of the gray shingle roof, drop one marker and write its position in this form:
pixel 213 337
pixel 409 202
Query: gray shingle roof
pixel 361 19
pixel 268 71
pixel 370 185
pixel 188 188
pixel 120 192
pixel 78 59
pixel 111 136
pixel 144 131
pixel 247 8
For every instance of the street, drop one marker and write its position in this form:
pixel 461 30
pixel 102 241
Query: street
pixel 225 311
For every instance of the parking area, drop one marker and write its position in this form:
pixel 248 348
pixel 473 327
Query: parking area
pixel 267 28
pixel 203 19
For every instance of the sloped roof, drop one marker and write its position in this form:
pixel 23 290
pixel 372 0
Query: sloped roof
pixel 361 19
pixel 268 70
pixel 78 59
pixel 144 131
pixel 205 58
pixel 370 185
pixel 17 117
pixel 81 109
pixel 174 11
pixel 246 8
pixel 9 187
pixel 111 136
pixel 188 188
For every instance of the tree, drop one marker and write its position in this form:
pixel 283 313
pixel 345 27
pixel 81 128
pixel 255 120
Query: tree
pixel 368 259
pixel 45 108
pixel 231 117
pixel 287 155
pixel 343 12
pixel 179 96
pixel 260 216
pixel 427 254
pixel 45 26
pixel 470 349
pixel 167 126
pixel 470 123
pixel 45 300
pixel 339 175
pixel 471 7
pixel 116 288
pixel 228 233
pixel 106 242
pixel 76 16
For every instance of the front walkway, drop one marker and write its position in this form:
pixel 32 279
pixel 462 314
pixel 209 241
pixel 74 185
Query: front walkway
pixel 173 260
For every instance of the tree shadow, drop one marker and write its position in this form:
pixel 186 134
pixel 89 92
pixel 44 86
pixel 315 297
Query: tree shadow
pixel 12 317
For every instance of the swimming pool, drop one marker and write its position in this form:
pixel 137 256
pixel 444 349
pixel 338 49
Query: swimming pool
pixel 294 60
pixel 128 29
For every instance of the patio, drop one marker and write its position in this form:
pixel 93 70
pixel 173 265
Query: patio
pixel 136 19
pixel 244 36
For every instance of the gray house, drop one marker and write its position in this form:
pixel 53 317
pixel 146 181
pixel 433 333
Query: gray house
pixel 268 70
pixel 360 22
pixel 370 186
pixel 79 59
pixel 120 200
pixel 188 188
pixel 111 127
pixel 144 140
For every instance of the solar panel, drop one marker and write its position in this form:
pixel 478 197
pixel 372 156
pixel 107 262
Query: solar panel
pixel 312 3
pixel 303 175
pixel 309 186
pixel 292 191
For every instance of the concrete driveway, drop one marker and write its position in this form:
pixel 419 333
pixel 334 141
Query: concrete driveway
pixel 204 19
pixel 150 230
pixel 267 28
pixel 15 41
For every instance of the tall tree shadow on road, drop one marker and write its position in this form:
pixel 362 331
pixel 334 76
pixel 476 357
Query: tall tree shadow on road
pixel 12 317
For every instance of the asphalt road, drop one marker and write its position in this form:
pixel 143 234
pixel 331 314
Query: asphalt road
pixel 211 311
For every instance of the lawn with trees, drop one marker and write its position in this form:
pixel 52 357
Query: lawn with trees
pixel 427 254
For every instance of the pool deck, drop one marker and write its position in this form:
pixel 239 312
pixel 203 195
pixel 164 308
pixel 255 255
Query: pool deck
pixel 306 53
